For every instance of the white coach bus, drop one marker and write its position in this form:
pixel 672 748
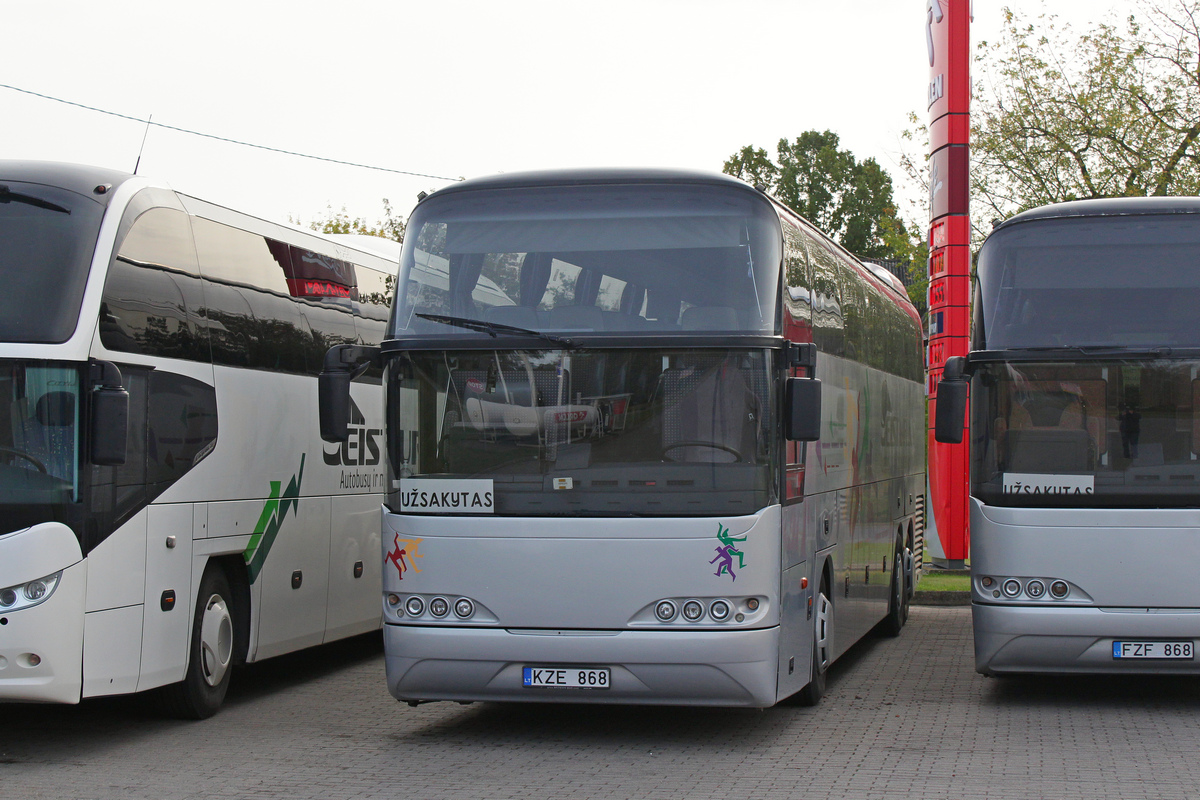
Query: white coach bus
pixel 614 475
pixel 166 508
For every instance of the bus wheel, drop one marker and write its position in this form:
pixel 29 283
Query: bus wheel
pixel 822 655
pixel 898 597
pixel 201 692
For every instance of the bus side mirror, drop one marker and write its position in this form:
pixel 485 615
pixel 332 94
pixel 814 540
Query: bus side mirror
pixel 802 410
pixel 342 365
pixel 951 404
pixel 110 416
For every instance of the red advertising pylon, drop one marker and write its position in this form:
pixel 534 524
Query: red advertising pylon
pixel 948 38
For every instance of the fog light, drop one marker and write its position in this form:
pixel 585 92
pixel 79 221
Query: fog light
pixel 439 607
pixel 752 604
pixel 464 608
pixel 1012 588
pixel 1035 589
pixel 693 610
pixel 719 610
pixel 665 611
pixel 1059 589
pixel 7 598
pixel 35 590
pixel 415 606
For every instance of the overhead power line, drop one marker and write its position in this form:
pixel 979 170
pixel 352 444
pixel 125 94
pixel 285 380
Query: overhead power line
pixel 150 122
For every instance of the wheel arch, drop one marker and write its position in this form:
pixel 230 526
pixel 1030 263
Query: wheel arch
pixel 234 567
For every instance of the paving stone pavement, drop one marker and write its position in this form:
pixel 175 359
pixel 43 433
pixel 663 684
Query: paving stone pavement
pixel 903 718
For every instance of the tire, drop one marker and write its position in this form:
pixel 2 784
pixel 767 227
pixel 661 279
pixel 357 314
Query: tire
pixel 898 596
pixel 822 651
pixel 210 654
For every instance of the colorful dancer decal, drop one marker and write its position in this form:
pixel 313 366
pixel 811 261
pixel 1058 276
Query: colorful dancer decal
pixel 727 551
pixel 270 521
pixel 409 549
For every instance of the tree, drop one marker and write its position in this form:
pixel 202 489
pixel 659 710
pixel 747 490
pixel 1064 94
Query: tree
pixel 827 186
pixel 852 201
pixel 1110 113
pixel 392 226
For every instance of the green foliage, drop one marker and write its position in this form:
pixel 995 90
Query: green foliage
pixel 392 226
pixel 850 200
pixel 1114 112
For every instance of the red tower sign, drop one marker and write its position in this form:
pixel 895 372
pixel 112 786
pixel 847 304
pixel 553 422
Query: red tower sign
pixel 948 39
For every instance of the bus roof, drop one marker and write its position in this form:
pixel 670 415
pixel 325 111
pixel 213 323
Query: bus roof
pixel 591 177
pixel 74 177
pixel 1107 207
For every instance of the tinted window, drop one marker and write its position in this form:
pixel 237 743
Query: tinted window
pixel 252 318
pixel 47 237
pixel 703 259
pixel 1091 281
pixel 828 322
pixel 152 294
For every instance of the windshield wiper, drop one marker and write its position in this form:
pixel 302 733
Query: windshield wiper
pixel 494 329
pixel 1155 351
pixel 7 196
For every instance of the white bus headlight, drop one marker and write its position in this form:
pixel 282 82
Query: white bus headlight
pixel 1012 587
pixel 463 608
pixel 415 606
pixel 31 593
pixel 439 607
pixel 693 610
pixel 719 610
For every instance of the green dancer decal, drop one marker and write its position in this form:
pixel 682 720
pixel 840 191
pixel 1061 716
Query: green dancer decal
pixel 269 522
pixel 729 541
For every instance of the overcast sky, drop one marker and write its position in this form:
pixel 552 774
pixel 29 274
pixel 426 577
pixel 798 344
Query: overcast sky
pixel 456 88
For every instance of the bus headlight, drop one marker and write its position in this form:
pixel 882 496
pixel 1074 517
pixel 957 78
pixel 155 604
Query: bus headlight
pixel 719 610
pixel 29 594
pixel 665 611
pixel 415 606
pixel 463 608
pixel 439 607
pixel 1012 587
pixel 693 610
pixel 1059 589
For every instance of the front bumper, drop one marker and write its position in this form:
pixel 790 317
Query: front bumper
pixel 706 668
pixel 1038 639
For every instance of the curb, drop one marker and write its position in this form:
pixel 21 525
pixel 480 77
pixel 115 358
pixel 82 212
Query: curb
pixel 941 598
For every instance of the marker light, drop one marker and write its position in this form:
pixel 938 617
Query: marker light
pixel 393 600
pixel 415 606
pixel 439 607
pixel 692 610
pixel 1059 589
pixel 752 604
pixel 987 582
pixel 464 608
pixel 1012 588
pixel 665 611
pixel 719 610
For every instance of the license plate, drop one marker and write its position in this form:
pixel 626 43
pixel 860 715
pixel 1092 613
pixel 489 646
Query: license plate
pixel 567 677
pixel 1176 650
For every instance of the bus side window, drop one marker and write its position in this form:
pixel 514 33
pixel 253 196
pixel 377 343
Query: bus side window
pixel 253 320
pixel 152 294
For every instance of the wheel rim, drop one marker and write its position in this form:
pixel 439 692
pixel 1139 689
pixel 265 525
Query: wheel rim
pixel 824 609
pixel 216 640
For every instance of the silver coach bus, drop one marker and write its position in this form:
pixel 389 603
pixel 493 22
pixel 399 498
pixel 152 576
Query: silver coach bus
pixel 1085 430
pixel 672 454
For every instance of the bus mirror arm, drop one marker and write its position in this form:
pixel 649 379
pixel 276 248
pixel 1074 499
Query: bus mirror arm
pixel 342 365
pixel 110 415
pixel 951 403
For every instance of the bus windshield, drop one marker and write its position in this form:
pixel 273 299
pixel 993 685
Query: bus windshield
pixel 639 432
pixel 623 258
pixel 39 433
pixel 1087 433
pixel 1095 281
pixel 47 236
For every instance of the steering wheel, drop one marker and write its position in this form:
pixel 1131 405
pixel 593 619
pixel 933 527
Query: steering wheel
pixel 737 456
pixel 22 454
